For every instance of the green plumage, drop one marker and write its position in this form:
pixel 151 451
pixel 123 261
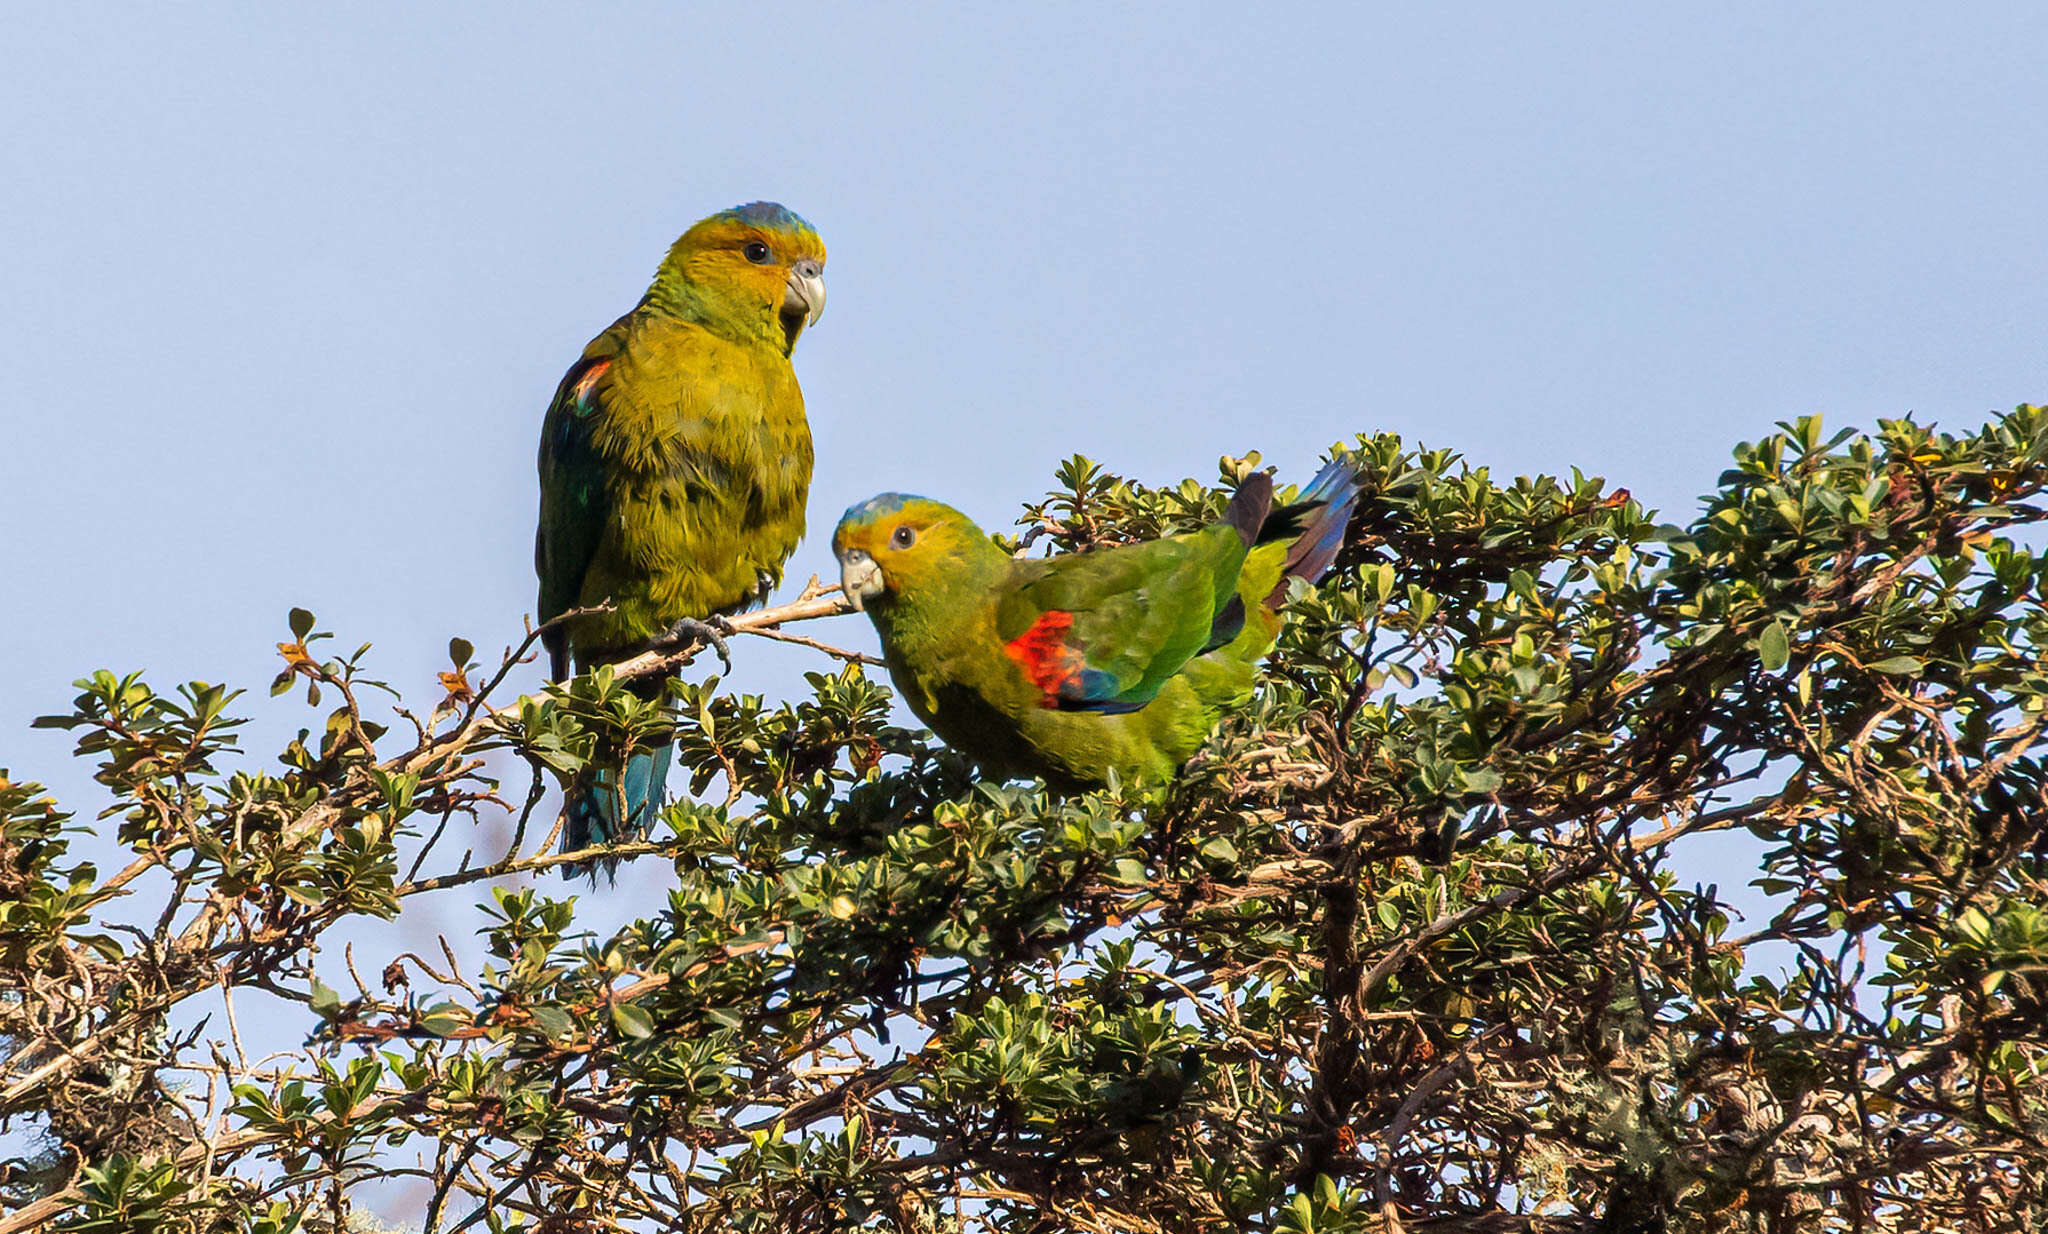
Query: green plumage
pixel 1079 667
pixel 672 483
pixel 675 460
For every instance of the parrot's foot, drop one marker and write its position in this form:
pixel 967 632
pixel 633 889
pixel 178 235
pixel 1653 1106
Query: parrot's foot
pixel 711 631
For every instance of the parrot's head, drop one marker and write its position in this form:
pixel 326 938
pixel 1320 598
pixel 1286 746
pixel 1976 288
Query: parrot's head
pixel 756 269
pixel 897 543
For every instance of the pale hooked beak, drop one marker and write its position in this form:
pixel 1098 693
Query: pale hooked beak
pixel 806 291
pixel 860 578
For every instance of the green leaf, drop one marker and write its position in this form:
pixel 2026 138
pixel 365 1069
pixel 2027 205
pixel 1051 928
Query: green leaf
pixel 632 1021
pixel 552 1020
pixel 1898 666
pixel 1773 647
pixel 1480 779
pixel 301 623
pixel 323 999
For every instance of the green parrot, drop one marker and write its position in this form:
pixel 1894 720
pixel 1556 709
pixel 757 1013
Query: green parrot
pixel 1069 669
pixel 674 464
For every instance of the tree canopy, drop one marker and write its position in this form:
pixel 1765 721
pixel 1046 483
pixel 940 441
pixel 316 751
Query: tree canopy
pixel 1418 942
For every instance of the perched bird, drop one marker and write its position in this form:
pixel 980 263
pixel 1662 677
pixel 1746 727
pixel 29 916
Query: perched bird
pixel 674 464
pixel 1071 668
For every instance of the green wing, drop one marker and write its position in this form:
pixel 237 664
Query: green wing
pixel 574 506
pixel 1104 631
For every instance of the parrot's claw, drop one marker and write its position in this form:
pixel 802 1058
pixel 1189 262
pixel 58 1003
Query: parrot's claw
pixel 711 631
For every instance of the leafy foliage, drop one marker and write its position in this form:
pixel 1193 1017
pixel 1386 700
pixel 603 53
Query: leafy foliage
pixel 1410 946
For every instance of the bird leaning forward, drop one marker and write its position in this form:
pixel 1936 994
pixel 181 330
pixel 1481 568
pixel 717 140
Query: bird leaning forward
pixel 1070 669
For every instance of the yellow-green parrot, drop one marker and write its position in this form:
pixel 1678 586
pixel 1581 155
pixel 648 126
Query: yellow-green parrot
pixel 674 464
pixel 1071 668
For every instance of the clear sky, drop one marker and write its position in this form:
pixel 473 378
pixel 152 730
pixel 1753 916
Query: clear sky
pixel 284 289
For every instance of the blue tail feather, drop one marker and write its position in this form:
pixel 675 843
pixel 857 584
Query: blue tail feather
pixel 596 809
pixel 1333 494
pixel 1338 477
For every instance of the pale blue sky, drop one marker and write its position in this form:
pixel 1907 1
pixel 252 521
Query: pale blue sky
pixel 284 291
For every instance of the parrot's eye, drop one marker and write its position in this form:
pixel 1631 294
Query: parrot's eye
pixel 903 537
pixel 758 253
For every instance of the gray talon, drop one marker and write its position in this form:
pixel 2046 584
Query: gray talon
pixel 711 631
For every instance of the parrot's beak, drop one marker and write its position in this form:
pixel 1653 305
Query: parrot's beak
pixel 860 578
pixel 806 296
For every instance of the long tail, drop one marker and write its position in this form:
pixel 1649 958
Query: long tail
pixel 603 812
pixel 1322 512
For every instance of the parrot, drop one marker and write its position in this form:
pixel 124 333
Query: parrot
pixel 675 461
pixel 1076 668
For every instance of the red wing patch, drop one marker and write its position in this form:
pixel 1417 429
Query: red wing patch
pixel 588 382
pixel 1043 654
